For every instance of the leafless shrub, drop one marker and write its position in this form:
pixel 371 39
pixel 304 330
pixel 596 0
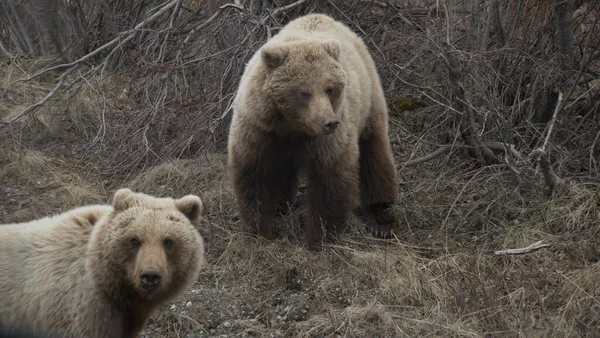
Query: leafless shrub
pixel 497 76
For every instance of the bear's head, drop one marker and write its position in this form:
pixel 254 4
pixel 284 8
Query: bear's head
pixel 147 249
pixel 305 82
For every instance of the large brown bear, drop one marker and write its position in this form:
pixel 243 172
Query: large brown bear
pixel 310 100
pixel 99 271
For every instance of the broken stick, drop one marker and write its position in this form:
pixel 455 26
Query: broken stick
pixel 530 248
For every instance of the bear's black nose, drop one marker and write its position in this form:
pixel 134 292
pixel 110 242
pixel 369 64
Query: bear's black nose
pixel 150 278
pixel 330 126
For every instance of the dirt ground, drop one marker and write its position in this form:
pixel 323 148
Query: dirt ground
pixel 160 130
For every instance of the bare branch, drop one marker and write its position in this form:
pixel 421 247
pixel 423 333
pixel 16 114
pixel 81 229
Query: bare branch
pixel 565 35
pixel 530 248
pixel 549 177
pixel 505 147
pixel 492 145
pixel 218 13
pixel 118 40
pixel 169 31
pixel 592 148
pixel 32 109
pixel 6 52
pixel 476 138
pixel 287 8
pixel 427 157
pixel 553 120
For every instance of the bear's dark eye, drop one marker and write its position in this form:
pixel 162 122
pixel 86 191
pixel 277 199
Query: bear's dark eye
pixel 167 243
pixel 305 95
pixel 329 91
pixel 135 243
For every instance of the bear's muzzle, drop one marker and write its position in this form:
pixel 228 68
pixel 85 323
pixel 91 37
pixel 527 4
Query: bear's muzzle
pixel 150 279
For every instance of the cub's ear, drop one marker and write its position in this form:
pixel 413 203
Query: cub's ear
pixel 123 199
pixel 332 48
pixel 191 206
pixel 273 56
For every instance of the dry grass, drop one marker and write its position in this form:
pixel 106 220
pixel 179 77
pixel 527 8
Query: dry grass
pixel 37 184
pixel 433 282
pixel 159 127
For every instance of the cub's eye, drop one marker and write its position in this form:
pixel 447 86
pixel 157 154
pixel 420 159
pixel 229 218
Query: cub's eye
pixel 329 91
pixel 135 243
pixel 305 95
pixel 167 243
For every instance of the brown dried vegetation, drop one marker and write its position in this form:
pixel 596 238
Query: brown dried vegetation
pixel 491 102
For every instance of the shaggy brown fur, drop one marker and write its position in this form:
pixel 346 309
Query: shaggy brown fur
pixel 310 100
pixel 100 270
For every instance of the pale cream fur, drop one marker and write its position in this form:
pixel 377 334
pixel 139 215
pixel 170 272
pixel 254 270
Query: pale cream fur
pixel 73 274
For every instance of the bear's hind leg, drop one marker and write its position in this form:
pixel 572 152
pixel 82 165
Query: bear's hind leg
pixel 378 184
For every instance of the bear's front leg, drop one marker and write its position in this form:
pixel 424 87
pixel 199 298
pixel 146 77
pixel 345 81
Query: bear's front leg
pixel 333 188
pixel 258 185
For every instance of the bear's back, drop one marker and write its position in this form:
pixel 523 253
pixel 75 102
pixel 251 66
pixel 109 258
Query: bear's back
pixel 318 26
pixel 43 265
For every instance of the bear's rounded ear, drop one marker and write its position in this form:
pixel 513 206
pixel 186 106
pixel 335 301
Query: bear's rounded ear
pixel 191 206
pixel 332 48
pixel 273 56
pixel 122 199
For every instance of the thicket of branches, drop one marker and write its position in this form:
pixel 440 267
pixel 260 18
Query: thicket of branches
pixel 509 83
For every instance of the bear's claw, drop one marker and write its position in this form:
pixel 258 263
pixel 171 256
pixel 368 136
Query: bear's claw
pixel 380 233
pixel 383 222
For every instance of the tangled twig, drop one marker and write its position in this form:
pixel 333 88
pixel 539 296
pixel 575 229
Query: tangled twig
pixel 218 13
pixel 32 109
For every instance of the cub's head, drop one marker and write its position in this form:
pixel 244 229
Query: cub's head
pixel 305 82
pixel 148 248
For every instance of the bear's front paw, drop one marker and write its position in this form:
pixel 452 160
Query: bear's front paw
pixel 383 222
pixel 380 232
pixel 268 233
pixel 264 229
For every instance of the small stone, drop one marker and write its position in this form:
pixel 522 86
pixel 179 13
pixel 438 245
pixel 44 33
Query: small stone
pixel 188 304
pixel 226 324
pixel 173 307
